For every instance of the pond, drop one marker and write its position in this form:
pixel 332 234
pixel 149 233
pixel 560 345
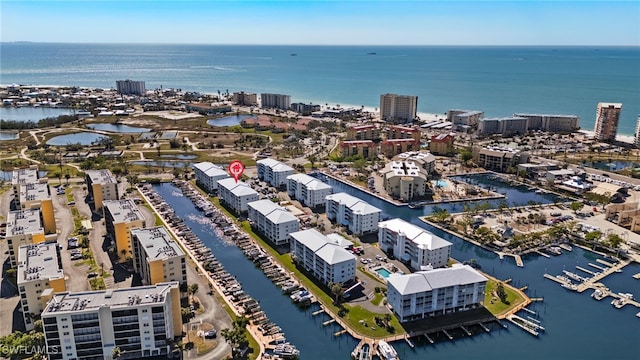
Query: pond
pixel 28 113
pixel 230 120
pixel 179 156
pixel 8 135
pixel 82 138
pixel 119 128
pixel 614 165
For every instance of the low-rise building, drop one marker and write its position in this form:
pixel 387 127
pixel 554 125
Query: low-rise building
pixel 305 109
pixel 308 190
pixel 405 180
pixel 413 245
pixel 272 221
pixel 357 215
pixel 38 196
pixel 464 119
pixel 22 177
pixel 39 274
pixel 498 158
pixel 365 148
pixel 24 227
pixel 140 321
pixel 393 147
pixel 243 98
pixel 327 260
pixel 363 132
pixel 102 185
pixel 442 144
pixel 236 195
pixel 207 175
pixel 551 122
pixel 403 132
pixel 157 257
pixel 120 217
pixel 506 126
pixel 207 108
pixel 424 159
pixel 273 172
pixel 437 292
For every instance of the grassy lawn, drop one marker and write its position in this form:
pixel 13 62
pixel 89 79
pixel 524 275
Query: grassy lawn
pixel 371 276
pixel 494 305
pixel 201 344
pixel 377 299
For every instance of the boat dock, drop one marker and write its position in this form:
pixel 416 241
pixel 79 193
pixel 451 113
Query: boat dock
pixel 597 267
pixel 531 327
pixel 613 268
pixel 519 261
pixel 587 271
pixel 637 276
pixel 486 329
pixel 543 254
pixel 565 247
pixel 608 264
pixel 447 334
pixel 555 278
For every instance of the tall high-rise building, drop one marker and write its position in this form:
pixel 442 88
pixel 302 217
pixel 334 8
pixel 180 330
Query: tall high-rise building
pixel 398 108
pixel 637 137
pixel 277 101
pixel 130 87
pixel 607 117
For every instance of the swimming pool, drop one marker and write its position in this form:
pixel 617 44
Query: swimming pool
pixel 439 183
pixel 383 272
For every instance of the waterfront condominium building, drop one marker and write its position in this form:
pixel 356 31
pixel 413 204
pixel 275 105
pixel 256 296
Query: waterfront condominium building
pixel 308 190
pixel 357 215
pixel 277 101
pixel 365 148
pixel 140 321
pixel 398 108
pixel 236 195
pixel 413 245
pixel 120 216
pixel 437 292
pixel 607 117
pixel 424 159
pixel 24 227
pixel 405 180
pixel 102 185
pixel 551 123
pixel 321 256
pixel 130 87
pixel 464 119
pixel 243 98
pixel 272 221
pixel 506 126
pixel 273 172
pixel 305 109
pixel 363 132
pixel 636 139
pixel 208 174
pixel 157 256
pixel 497 158
pixel 442 144
pixel 39 275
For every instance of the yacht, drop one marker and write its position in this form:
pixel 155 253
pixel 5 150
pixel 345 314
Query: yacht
pixel 569 286
pixel 554 250
pixel 598 294
pixel 386 351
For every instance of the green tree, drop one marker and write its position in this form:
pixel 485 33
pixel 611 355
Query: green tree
pixel 592 236
pixel 337 292
pixel 501 293
pixel 576 205
pixel 193 288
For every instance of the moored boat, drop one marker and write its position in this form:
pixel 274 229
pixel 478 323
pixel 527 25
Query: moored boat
pixel 386 351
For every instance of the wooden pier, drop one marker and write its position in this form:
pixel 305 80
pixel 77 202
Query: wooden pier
pixel 542 254
pixel 597 267
pixel 608 264
pixel 332 320
pixel 317 312
pixel 586 270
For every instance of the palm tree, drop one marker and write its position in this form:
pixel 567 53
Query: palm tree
pixel 116 353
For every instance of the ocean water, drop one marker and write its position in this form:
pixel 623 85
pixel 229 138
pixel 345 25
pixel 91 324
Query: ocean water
pixel 498 80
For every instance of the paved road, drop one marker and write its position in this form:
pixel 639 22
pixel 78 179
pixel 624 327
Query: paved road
pixel 10 318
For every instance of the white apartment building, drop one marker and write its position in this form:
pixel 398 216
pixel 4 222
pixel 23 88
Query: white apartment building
pixel 24 227
pixel 308 190
pixel 357 215
pixel 39 275
pixel 236 195
pixel 208 174
pixel 277 101
pixel 551 122
pixel 272 221
pixel 273 172
pixel 405 180
pixel 140 321
pixel 506 126
pixel 157 256
pixel 464 118
pixel 437 292
pixel 398 108
pixel 130 87
pixel 102 185
pixel 328 261
pixel 413 245
pixel 636 139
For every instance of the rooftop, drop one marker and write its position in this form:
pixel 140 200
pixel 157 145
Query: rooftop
pixel 123 210
pixel 34 191
pixel 356 205
pixel 275 165
pixel 38 261
pixel 103 176
pixel 309 181
pixel 91 301
pixel 544 115
pixel 272 211
pixel 323 246
pixel 423 281
pixel 21 222
pixel 419 236
pixel 24 176
pixel 157 243
pixel 237 188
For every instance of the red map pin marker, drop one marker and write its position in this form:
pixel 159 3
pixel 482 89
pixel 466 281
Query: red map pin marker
pixel 236 168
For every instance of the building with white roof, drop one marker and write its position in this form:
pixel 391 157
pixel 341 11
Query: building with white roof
pixel 413 244
pixel 236 195
pixel 273 172
pixel 308 190
pixel 357 215
pixel 424 159
pixel 272 221
pixel 208 174
pixel 102 185
pixel 38 196
pixel 320 255
pixel 24 227
pixel 551 122
pixel 120 216
pixel 21 177
pixel 437 292
pixel 39 273
pixel 141 321
pixel 157 256
pixel 405 180
pixel 506 126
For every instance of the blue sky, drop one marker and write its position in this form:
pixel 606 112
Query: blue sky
pixel 324 22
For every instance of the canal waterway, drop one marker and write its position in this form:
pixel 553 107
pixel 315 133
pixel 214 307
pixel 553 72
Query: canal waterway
pixel 577 326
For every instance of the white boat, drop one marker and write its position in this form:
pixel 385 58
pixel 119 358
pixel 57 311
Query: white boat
pixel 386 351
pixel 638 314
pixel 598 294
pixel 568 286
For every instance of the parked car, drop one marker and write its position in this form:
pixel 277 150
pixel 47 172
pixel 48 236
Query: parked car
pixel 210 334
pixel 92 274
pixel 76 257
